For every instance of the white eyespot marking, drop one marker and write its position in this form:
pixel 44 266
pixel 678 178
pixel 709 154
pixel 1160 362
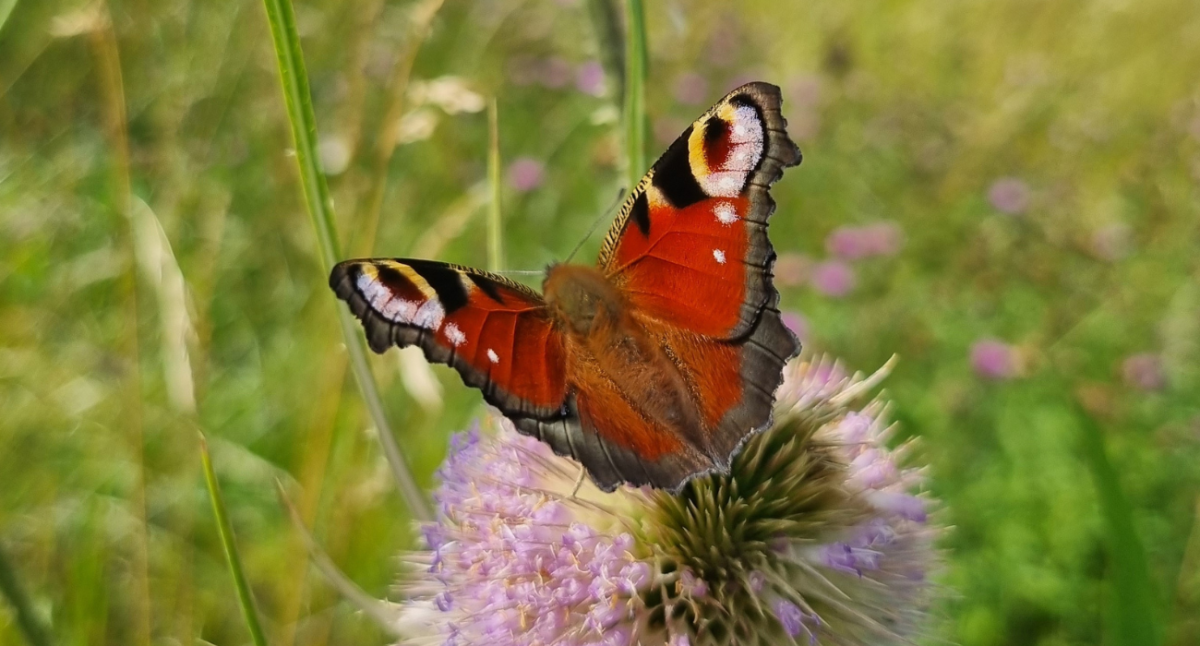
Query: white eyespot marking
pixel 725 213
pixel 492 356
pixel 454 334
pixel 383 301
pixel 746 126
pixel 719 256
pixel 429 315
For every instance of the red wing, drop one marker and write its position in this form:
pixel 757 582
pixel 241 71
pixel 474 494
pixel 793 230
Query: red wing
pixel 493 331
pixel 689 248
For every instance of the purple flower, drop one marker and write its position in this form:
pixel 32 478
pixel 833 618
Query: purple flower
pixel 792 269
pixel 1111 242
pixel 833 278
pixel 993 359
pixel 589 78
pixel 1145 372
pixel 555 72
pixel 691 89
pixel 1009 195
pixel 797 323
pixel 525 174
pixel 854 243
pixel 518 557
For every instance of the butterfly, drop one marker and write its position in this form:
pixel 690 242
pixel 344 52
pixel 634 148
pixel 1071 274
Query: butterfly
pixel 655 365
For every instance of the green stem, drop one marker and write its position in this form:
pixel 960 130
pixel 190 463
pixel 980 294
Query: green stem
pixel 494 225
pixel 245 596
pixel 296 94
pixel 635 90
pixel 35 633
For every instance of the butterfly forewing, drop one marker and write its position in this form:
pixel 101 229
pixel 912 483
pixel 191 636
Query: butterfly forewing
pixel 690 245
pixel 493 331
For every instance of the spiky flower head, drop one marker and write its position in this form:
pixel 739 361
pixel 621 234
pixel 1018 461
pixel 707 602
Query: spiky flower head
pixel 816 536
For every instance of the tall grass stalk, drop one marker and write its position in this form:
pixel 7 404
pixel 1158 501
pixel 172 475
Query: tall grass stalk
pixel 35 633
pixel 1133 612
pixel 245 596
pixel 495 228
pixel 294 80
pixel 636 68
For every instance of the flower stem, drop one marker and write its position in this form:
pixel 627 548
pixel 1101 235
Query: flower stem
pixel 635 90
pixel 294 81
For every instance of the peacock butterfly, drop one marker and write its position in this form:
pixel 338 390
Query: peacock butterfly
pixel 655 365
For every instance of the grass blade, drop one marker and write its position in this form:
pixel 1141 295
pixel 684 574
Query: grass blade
pixel 35 633
pixel 294 79
pixel 494 225
pixel 1132 606
pixel 635 90
pixel 606 21
pixel 374 608
pixel 245 596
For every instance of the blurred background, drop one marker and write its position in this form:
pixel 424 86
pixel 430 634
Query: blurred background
pixel 1005 194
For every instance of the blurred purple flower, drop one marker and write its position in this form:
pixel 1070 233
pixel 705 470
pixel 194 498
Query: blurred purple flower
pixel 525 174
pixel 1145 372
pixel 691 89
pixel 668 129
pixel 555 72
pixel 797 323
pixel 524 70
pixel 1009 195
pixel 589 78
pixel 854 243
pixel 792 269
pixel 1112 242
pixel 993 359
pixel 518 557
pixel 833 278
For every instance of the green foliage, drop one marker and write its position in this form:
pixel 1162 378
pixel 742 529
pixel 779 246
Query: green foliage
pixel 907 111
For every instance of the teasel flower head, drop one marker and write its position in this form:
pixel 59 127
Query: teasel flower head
pixel 817 535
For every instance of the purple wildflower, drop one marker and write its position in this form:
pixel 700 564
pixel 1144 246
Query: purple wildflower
pixel 797 323
pixel 1145 372
pixel 589 78
pixel 994 359
pixel 691 89
pixel 855 243
pixel 555 72
pixel 792 269
pixel 839 554
pixel 525 174
pixel 1112 242
pixel 1009 195
pixel 833 278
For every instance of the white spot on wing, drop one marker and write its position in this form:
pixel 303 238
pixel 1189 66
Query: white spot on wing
pixel 455 335
pixel 492 356
pixel 725 213
pixel 719 255
pixel 429 315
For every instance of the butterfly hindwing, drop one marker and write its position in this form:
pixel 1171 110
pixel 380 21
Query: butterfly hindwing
pixel 493 331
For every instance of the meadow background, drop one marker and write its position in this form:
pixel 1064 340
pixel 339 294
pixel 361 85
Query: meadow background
pixel 1005 194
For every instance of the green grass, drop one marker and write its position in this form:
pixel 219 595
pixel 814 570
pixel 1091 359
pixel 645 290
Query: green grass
pixel 905 111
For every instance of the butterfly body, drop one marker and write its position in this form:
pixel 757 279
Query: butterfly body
pixel 656 364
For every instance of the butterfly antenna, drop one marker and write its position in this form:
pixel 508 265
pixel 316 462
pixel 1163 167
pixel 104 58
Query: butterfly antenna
pixel 595 224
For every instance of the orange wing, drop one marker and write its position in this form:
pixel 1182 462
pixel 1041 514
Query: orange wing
pixel 493 331
pixel 689 247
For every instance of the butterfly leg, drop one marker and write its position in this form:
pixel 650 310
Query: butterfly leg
pixel 579 481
